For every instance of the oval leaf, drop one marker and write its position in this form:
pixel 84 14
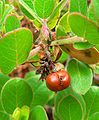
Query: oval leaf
pixel 12 23
pixel 8 9
pixel 14 49
pixel 16 93
pixel 92 103
pixel 69 108
pixel 41 93
pixel 75 96
pixel 38 113
pixel 78 6
pixel 81 76
pixel 84 28
pixel 44 8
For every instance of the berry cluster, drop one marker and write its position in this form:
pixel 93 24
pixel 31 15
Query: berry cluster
pixel 47 66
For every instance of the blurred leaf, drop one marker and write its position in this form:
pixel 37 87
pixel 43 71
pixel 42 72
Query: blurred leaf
pixel 92 103
pixel 41 93
pixel 81 76
pixel 55 116
pixel 4 116
pixel 14 49
pixel 21 113
pixel 8 9
pixel 94 116
pixel 16 93
pixel 84 28
pixel 12 23
pixel 25 111
pixel 93 12
pixel 78 6
pixel 16 114
pixel 38 113
pixel 44 8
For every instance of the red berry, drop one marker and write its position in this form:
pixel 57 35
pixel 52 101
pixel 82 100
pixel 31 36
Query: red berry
pixel 58 81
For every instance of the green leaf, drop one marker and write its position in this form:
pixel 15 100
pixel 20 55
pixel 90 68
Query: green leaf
pixel 12 23
pixel 1 107
pixel 25 113
pixel 63 26
pixel 8 9
pixel 26 11
pixel 60 31
pixel 73 108
pixel 4 116
pixel 94 116
pixel 84 28
pixel 38 113
pixel 29 8
pixel 1 9
pixel 37 24
pixel 93 12
pixel 63 57
pixel 3 80
pixel 92 103
pixel 66 41
pixel 14 49
pixel 21 113
pixel 82 45
pixel 17 114
pixel 57 9
pixel 96 69
pixel 44 8
pixel 81 76
pixel 41 93
pixel 16 93
pixel 55 116
pixel 52 21
pixel 78 6
pixel 65 103
pixel 97 47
